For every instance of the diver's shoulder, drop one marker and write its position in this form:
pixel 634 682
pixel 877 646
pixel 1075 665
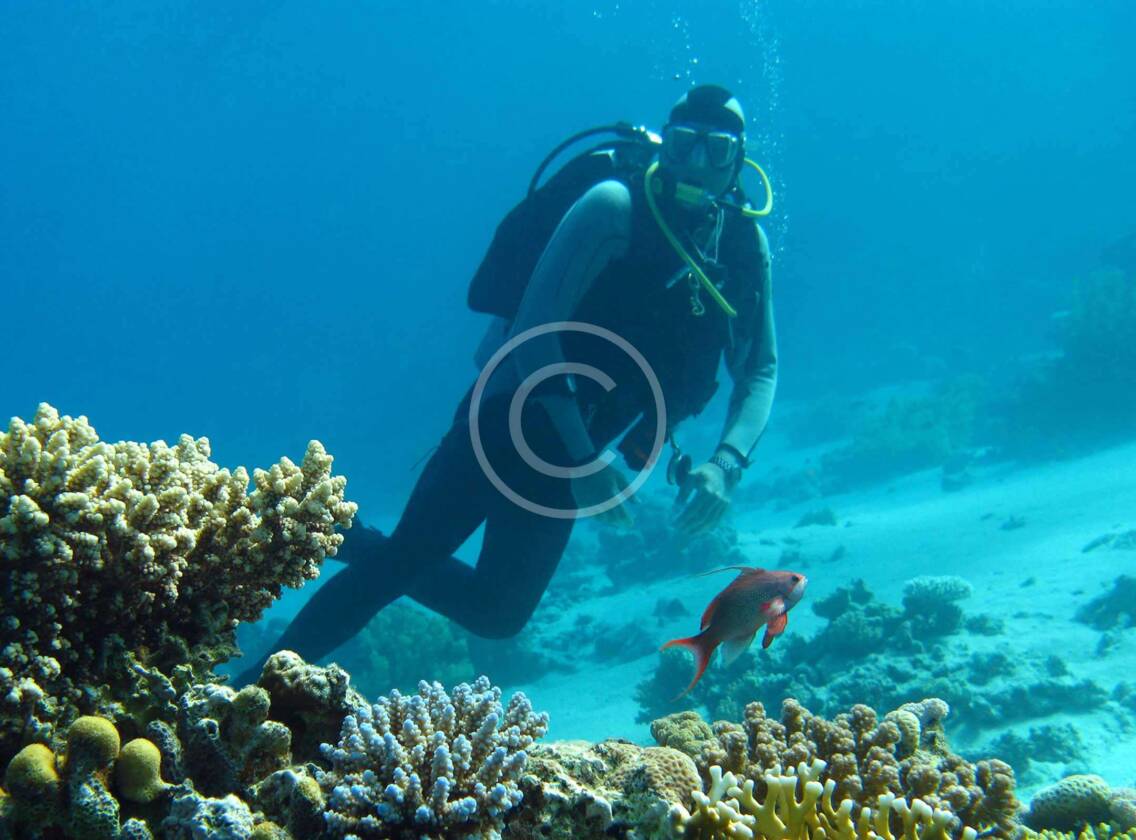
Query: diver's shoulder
pixel 762 240
pixel 605 206
pixel 611 195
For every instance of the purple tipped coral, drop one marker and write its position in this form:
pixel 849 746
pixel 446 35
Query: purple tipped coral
pixel 431 764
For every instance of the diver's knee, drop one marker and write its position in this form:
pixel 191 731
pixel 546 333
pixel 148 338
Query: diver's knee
pixel 503 624
pixel 362 544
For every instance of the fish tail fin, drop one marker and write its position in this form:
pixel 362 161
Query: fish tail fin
pixel 702 646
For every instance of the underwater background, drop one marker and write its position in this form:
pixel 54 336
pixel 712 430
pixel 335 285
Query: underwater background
pixel 256 223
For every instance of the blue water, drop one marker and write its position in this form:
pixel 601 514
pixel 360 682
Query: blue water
pixel 256 222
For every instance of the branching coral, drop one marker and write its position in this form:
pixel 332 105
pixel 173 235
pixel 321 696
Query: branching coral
pixel 1101 831
pixel 126 557
pixel 431 764
pixel 905 754
pixel 797 806
pixel 930 604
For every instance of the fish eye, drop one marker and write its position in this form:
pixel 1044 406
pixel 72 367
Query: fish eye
pixel 796 578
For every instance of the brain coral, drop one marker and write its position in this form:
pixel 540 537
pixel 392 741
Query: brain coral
pixel 1071 804
pixel 125 559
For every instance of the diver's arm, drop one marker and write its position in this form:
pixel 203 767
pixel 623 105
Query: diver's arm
pixel 594 232
pixel 754 371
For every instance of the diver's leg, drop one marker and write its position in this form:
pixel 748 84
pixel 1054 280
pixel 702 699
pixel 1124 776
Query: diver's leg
pixel 518 557
pixel 520 551
pixel 443 510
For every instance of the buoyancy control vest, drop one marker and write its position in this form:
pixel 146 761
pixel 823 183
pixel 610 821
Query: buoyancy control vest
pixel 647 297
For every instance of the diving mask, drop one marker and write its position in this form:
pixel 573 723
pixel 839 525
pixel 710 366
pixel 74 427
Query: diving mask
pixel 722 147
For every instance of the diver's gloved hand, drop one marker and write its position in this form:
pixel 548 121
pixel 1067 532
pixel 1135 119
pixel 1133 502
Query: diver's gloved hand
pixel 597 488
pixel 711 490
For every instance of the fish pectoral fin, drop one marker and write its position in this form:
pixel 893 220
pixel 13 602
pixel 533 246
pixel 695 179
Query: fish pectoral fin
pixel 774 628
pixel 773 608
pixel 733 648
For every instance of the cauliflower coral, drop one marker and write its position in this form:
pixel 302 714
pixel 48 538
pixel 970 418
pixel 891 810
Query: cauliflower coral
pixel 130 562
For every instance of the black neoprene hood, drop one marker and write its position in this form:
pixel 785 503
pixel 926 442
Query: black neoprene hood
pixel 710 105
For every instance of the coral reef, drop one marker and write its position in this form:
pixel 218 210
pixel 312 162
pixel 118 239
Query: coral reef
pixel 462 764
pixel 686 732
pixel 654 549
pixel 1082 801
pixel 227 740
pixel 819 516
pixel 219 772
pixel 168 551
pixel 931 603
pixel 1092 373
pixel 196 817
pixel 1072 803
pixel 311 701
pixel 796 806
pixel 1048 742
pixel 376 658
pixel 294 799
pixel 138 771
pixel 881 655
pixel 905 754
pixel 909 434
pixel 73 788
pixel 573 789
pixel 1115 608
pixel 430 765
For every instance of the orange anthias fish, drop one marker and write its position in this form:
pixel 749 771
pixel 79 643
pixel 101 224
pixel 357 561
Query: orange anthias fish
pixel 753 598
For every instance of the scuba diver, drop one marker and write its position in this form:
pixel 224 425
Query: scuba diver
pixel 617 288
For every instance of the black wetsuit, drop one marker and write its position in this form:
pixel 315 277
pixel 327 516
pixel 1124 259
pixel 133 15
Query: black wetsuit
pixel 608 265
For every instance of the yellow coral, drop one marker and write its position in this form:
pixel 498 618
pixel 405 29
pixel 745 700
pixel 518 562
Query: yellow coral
pixel 684 731
pixel 798 807
pixel 269 831
pixel 92 744
pixel 714 817
pixel 138 771
pixel 33 783
pixel 1104 831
